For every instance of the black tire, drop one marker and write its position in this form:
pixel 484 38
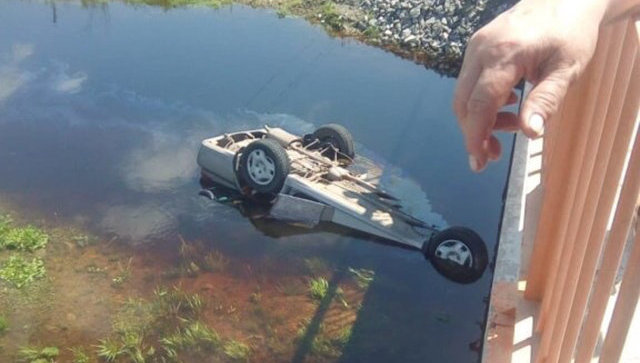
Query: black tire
pixel 275 172
pixel 339 137
pixel 456 240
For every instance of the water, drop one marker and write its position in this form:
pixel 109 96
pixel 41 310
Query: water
pixel 102 109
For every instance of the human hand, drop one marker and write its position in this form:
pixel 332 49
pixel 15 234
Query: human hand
pixel 546 42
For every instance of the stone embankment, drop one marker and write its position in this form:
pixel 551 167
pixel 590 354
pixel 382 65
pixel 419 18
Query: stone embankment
pixel 432 32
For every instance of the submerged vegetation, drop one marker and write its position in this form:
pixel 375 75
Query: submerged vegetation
pixel 4 325
pixel 80 355
pixel 27 238
pixel 195 336
pixel 19 271
pixel 318 288
pixel 167 324
pixel 38 355
pixel 159 329
pixel 363 277
pixel 237 350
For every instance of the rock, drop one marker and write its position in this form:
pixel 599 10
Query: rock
pixel 410 39
pixel 439 29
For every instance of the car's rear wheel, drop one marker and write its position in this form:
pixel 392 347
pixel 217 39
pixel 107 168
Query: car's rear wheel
pixel 338 137
pixel 458 253
pixel 264 166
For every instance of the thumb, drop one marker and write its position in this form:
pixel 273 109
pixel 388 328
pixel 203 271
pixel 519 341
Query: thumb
pixel 543 102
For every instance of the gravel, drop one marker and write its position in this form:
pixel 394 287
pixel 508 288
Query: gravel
pixel 435 31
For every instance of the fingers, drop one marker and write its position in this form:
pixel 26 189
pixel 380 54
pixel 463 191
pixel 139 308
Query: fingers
pixel 466 81
pixel 507 121
pixel 543 102
pixel 494 149
pixel 492 91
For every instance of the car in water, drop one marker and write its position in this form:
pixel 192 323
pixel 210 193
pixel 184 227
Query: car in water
pixel 315 178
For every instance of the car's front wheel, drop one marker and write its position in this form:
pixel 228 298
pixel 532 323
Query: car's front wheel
pixel 458 253
pixel 264 166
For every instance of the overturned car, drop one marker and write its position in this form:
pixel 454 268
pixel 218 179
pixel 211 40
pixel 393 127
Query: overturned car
pixel 313 178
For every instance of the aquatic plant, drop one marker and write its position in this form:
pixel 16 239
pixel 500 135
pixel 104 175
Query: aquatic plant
pixel 341 298
pixel 38 355
pixel 255 297
pixel 93 269
pixel 324 343
pixel 4 325
pixel 27 238
pixel 109 349
pixel 195 336
pixel 362 276
pixel 123 275
pixel 215 261
pixel 236 350
pixel 83 240
pixel 318 288
pixel 135 315
pixel 343 336
pixel 80 355
pixel 175 302
pixel 5 225
pixel 20 272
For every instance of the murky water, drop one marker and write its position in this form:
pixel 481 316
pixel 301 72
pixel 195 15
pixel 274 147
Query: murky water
pixel 102 109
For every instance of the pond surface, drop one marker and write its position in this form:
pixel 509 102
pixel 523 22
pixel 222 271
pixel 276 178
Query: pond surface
pixel 102 109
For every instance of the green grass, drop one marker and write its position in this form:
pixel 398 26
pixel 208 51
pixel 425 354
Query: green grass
pixel 27 238
pixel 4 325
pixel 330 16
pixel 122 276
pixel 38 355
pixel 109 349
pixel 177 303
pixel 288 7
pixel 194 336
pixel 20 272
pixel 159 329
pixel 5 224
pixel 80 355
pixel 236 350
pixel 318 288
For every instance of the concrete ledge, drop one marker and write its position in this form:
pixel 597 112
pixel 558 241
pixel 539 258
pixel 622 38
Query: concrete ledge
pixel 509 335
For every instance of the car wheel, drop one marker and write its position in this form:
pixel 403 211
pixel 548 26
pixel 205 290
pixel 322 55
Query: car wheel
pixel 264 166
pixel 339 137
pixel 458 253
